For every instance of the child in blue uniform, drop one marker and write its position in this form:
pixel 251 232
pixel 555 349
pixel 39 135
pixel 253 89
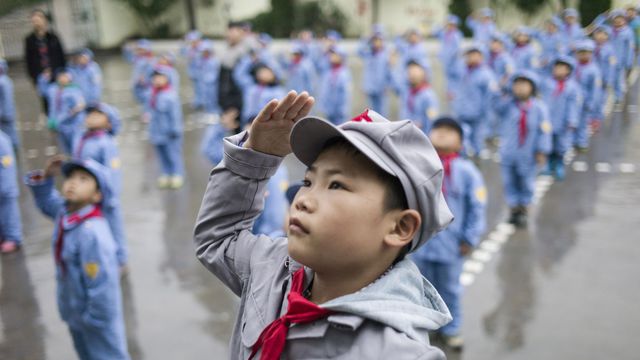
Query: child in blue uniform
pixel 208 72
pixel 607 62
pixel 450 38
pixel 299 70
pixel 552 43
pixel 259 84
pixel 412 48
pixel 271 221
pixel 7 105
pixel 502 65
pixel 88 285
pixel 66 104
pixel 525 140
pixel 142 64
pixel 165 128
pixel 482 25
pixel 88 76
pixel 10 223
pixel 418 101
pixel 475 89
pixel 441 259
pixel 523 53
pixel 590 80
pixel 191 51
pixel 334 99
pixel 623 42
pixel 376 76
pixel 102 123
pixel 561 94
pixel 571 29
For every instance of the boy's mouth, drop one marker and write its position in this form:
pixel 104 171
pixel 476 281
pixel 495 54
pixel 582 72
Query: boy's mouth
pixel 296 226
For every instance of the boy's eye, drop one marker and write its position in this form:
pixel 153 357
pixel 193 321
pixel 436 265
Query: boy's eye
pixel 306 183
pixel 335 185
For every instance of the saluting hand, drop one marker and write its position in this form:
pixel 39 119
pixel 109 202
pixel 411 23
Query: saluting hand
pixel 270 130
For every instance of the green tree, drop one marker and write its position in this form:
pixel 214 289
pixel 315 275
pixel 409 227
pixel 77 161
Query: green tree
pixel 7 6
pixel 592 8
pixel 287 16
pixel 462 9
pixel 149 12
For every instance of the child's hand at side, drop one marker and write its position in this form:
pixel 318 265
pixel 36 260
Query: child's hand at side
pixel 270 130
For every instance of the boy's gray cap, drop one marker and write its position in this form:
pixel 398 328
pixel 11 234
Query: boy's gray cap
pixel 398 147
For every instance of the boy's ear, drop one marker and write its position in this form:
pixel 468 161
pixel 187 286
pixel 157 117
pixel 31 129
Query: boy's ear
pixel 405 226
pixel 97 197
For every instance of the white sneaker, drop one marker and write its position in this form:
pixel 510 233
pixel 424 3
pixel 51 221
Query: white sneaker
pixel 163 182
pixel 176 182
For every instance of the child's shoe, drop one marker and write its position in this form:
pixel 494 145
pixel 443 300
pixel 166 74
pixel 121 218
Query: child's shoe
pixel 559 173
pixel 163 182
pixel 521 217
pixel 513 218
pixel 176 182
pixel 8 247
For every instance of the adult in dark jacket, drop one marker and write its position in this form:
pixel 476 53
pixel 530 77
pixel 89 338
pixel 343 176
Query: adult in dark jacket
pixel 42 49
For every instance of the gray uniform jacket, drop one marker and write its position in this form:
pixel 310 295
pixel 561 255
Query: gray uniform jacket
pixel 387 320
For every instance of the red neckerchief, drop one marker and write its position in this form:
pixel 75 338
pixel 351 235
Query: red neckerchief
pixel 74 218
pixel 492 57
pixel 297 58
pixel 88 135
pixel 446 160
pixel 522 125
pixel 154 94
pixel 560 86
pixel 413 92
pixel 300 311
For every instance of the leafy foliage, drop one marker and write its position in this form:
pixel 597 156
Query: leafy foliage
pixel 7 6
pixel 592 8
pixel 462 9
pixel 288 16
pixel 149 12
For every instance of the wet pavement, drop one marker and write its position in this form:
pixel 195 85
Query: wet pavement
pixel 566 288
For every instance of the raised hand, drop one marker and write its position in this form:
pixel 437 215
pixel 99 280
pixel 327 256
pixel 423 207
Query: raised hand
pixel 270 130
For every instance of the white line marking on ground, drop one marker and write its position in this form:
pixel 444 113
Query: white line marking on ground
pixel 580 166
pixel 50 150
pixel 627 168
pixel 603 167
pixel 472 266
pixel 466 279
pixel 32 153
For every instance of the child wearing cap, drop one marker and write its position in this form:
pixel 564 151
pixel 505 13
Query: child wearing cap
pixel 562 94
pixel 88 75
pixel 607 61
pixel 524 53
pixel 335 88
pixel 102 123
pixel 475 89
pixel 207 72
pixel 502 65
pixel 481 24
pixel 299 70
pixel 440 260
pixel 418 101
pixel 589 78
pixel 165 128
pixel 571 29
pixel 450 38
pixel 10 223
pixel 623 42
pixel 86 268
pixel 372 193
pixel 7 105
pixel 259 84
pixel 376 74
pixel 552 43
pixel 412 48
pixel 142 64
pixel 66 104
pixel 525 140
pixel 191 50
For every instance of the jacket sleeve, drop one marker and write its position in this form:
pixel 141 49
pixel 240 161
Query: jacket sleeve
pixel 97 277
pixel 7 105
pixel 543 138
pixel 476 203
pixel 48 200
pixel 573 108
pixel 232 201
pixel 630 50
pixel 96 81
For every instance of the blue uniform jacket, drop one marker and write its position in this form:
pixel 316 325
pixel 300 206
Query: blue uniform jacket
pixel 606 59
pixel 100 146
pixel 8 181
pixel 590 81
pixel 88 290
pixel 551 44
pixel 62 100
pixel 376 75
pixel 8 109
pixel 255 96
pixel 272 219
pixel 301 76
pixel 525 57
pixel 502 66
pixel 538 134
pixel 466 196
pixel 481 31
pixel 207 76
pixel 566 103
pixel 475 89
pixel 450 41
pixel 419 105
pixel 623 43
pixel 142 66
pixel 89 79
pixel 166 116
pixel 335 93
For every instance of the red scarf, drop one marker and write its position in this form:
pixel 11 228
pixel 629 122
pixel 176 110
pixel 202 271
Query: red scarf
pixel 300 311
pixel 87 135
pixel 154 94
pixel 560 87
pixel 72 219
pixel 446 160
pixel 412 94
pixel 522 126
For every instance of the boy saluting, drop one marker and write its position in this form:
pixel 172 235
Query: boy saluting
pixel 339 286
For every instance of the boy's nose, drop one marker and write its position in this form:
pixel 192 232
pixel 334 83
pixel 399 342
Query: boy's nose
pixel 305 202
